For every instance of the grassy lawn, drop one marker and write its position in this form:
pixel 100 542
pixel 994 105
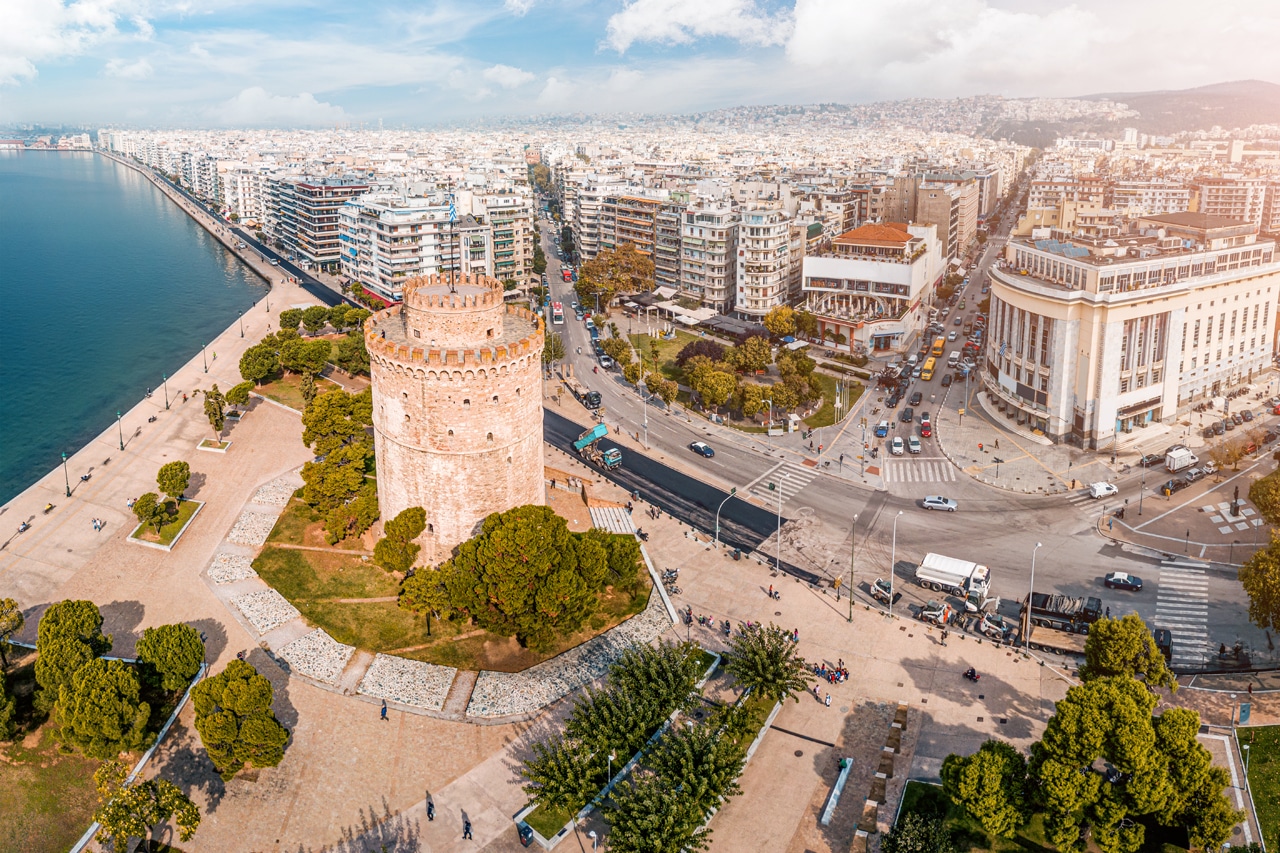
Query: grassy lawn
pixel 288 389
pixel 299 524
pixel 169 530
pixel 826 414
pixel 219 445
pixel 316 582
pixel 547 822
pixel 47 797
pixel 1264 777
pixel 667 351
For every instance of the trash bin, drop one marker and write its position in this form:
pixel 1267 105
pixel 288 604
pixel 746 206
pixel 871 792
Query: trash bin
pixel 526 833
pixel 737 554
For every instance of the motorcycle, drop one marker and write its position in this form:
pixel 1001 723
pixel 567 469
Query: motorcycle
pixel 641 535
pixel 48 508
pixel 24 527
pixel 971 674
pixel 151 419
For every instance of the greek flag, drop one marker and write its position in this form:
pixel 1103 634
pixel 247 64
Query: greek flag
pixel 1004 349
pixel 453 210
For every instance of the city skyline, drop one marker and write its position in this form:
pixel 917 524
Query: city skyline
pixel 235 64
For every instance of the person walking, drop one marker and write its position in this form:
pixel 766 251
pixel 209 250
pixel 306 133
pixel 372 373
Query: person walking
pixel 384 710
pixel 431 809
pixel 944 636
pixel 828 700
pixel 466 828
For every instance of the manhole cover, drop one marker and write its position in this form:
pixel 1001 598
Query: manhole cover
pixel 777 613
pixel 980 719
pixel 844 709
pixel 799 753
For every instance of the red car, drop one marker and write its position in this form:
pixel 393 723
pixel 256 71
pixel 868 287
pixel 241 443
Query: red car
pixel 926 429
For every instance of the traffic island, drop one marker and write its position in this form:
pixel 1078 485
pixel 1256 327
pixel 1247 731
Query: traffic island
pixel 166 538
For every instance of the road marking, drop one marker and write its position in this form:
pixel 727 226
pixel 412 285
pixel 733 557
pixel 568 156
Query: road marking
pixel 1182 607
pixel 789 477
pixel 918 470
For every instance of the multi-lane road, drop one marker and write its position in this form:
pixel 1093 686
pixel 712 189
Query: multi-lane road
pixel 817 506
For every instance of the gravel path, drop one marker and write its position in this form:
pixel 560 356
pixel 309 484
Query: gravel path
pixel 278 491
pixel 252 528
pixel 498 694
pixel 229 568
pixel 408 682
pixel 266 609
pixel 318 656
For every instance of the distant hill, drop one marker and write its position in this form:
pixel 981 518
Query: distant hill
pixel 1228 105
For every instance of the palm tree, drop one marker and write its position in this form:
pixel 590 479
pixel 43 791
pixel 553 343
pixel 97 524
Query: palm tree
pixel 765 661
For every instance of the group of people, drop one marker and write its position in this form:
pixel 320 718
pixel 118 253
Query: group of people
pixel 98 524
pixel 837 674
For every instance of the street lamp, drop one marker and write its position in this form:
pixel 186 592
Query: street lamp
pixel 65 476
pixel 164 380
pixel 204 357
pixel 853 551
pixel 778 488
pixel 1245 747
pixel 1026 629
pixel 893 561
pixel 1142 488
pixel 121 428
pixel 733 491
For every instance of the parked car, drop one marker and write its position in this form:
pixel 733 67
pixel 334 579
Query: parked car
pixel 891 402
pixel 882 429
pixel 1210 467
pixel 1122 580
pixel 897 447
pixel 702 449
pixel 606 362
pixel 916 398
pixel 908 415
pixel 1149 460
pixel 1102 490
pixel 1219 429
pixel 947 380
pixel 1247 415
pixel 940 503
pixel 1193 474
pixel 913 444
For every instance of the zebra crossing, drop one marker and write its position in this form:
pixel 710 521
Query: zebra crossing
pixel 789 478
pixel 1182 606
pixel 918 469
pixel 1091 506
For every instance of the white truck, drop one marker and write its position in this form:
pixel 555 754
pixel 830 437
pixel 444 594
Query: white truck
pixel 964 578
pixel 1178 459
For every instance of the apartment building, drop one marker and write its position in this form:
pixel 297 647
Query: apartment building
pixel 630 217
pixel 303 215
pixel 509 213
pixel 1149 197
pixel 244 193
pixel 953 208
pixel 388 239
pixel 666 241
pixel 1231 196
pixel 770 252
pixel 871 287
pixel 1094 336
pixel 708 255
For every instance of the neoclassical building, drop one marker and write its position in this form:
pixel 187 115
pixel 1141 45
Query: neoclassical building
pixel 457 408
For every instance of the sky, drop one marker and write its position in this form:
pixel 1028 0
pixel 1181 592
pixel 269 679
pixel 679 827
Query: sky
pixel 315 63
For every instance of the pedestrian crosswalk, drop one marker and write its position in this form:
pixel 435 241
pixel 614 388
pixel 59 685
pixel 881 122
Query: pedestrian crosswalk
pixel 918 469
pixel 1182 606
pixel 788 478
pixel 1091 506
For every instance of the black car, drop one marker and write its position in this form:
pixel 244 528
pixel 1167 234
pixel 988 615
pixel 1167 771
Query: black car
pixel 908 415
pixel 1268 436
pixel 946 380
pixel 1123 580
pixel 916 398
pixel 1150 460
pixel 892 401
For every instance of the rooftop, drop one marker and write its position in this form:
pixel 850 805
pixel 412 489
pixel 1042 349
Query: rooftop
pixel 875 234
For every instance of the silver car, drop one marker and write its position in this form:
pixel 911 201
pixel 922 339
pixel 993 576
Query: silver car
pixel 939 502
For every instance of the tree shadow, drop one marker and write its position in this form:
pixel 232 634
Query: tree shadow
pixel 195 484
pixel 184 762
pixel 121 619
pixel 277 672
pixel 215 638
pixel 378 829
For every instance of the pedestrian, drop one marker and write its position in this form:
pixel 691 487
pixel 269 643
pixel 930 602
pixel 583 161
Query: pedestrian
pixel 771 590
pixel 553 483
pixel 384 710
pixel 817 691
pixel 944 636
pixel 431 809
pixel 828 700
pixel 1251 688
pixel 1111 522
pixel 466 828
pixel 1108 612
pixel 1073 482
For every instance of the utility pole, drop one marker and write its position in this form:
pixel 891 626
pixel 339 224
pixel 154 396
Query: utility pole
pixel 893 561
pixel 853 551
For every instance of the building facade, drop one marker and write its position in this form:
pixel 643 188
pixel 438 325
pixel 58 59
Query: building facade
pixel 768 263
pixel 1092 337
pixel 708 256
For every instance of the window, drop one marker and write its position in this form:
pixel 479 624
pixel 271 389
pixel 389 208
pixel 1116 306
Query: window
pixel 466 404
pixel 1124 385
pixel 1195 339
pixel 1155 376
pixel 1222 325
pixel 489 437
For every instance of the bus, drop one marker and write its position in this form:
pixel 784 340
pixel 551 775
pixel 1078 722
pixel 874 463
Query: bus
pixel 557 313
pixel 938 346
pixel 926 372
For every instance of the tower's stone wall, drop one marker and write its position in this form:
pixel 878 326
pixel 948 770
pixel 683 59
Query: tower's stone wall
pixel 457 407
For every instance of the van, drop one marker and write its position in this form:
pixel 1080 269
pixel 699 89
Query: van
pixel 953 358
pixel 912 360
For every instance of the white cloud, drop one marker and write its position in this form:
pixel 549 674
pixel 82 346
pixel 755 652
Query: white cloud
pixel 137 70
pixel 556 93
pixel 519 8
pixel 681 22
pixel 506 76
pixel 38 30
pixel 255 107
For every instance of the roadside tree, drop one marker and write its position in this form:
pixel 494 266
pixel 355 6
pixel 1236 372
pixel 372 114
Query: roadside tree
pixel 235 720
pixel 780 321
pixel 291 318
pixel 99 712
pixel 171 655
pixel 766 661
pixel 215 411
pixel 553 348
pixel 991 786
pixel 622 270
pixel 258 362
pixel 716 387
pixel 238 395
pixel 11 623
pixel 150 510
pixel 69 636
pixel 1125 646
pixel 665 389
pixel 1264 494
pixel 806 324
pixel 631 372
pixel 173 478
pixel 396 551
pixel 1260 577
pixel 132 812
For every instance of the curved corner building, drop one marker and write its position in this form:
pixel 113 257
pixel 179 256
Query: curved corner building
pixel 457 406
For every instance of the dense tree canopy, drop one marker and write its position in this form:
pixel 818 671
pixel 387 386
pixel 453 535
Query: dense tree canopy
pixel 239 394
pixel 128 813
pixel 766 661
pixel 11 623
pixel 338 419
pixel 259 361
pixel 780 321
pixel 1264 494
pixel 171 654
pixel 702 346
pixel 99 712
pixel 352 517
pixel 291 318
pixel 622 270
pixel 173 478
pixel 150 510
pixel 1260 577
pixel 1125 647
pixel 235 720
pixel 991 786
pixel 7 708
pixel 69 636
pixel 396 551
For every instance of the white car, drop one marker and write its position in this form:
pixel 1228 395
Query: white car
pixel 951 336
pixel 913 444
pixel 939 502
pixel 606 362
pixel 1102 490
pixel 896 447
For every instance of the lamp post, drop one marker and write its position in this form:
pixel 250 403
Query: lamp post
pixel 121 428
pixel 733 491
pixel 65 476
pixel 204 358
pixel 242 324
pixel 778 488
pixel 1026 628
pixel 1142 488
pixel 893 561
pixel 853 551
pixel 164 380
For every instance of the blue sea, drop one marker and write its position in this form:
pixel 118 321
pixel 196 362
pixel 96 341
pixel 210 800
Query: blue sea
pixel 106 286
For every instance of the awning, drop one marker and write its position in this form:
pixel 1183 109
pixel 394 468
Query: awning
pixel 687 320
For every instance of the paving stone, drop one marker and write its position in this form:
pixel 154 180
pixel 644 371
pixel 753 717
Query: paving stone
pixel 229 568
pixel 318 656
pixel 408 682
pixel 265 610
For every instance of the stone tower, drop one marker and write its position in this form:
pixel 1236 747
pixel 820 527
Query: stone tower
pixel 457 406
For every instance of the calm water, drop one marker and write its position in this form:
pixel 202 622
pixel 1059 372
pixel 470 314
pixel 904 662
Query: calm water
pixel 106 285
